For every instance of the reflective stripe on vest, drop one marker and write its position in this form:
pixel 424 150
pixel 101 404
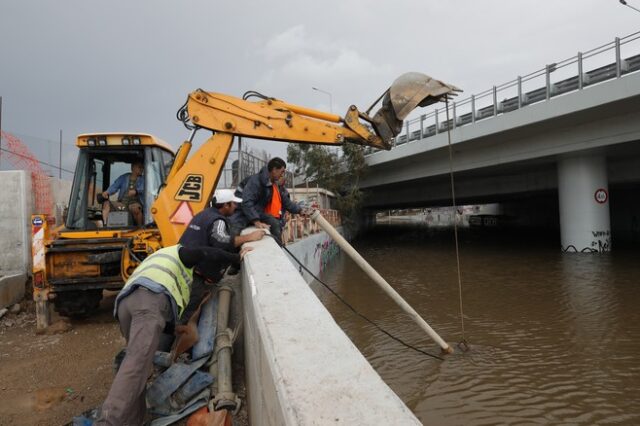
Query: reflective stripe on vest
pixel 165 268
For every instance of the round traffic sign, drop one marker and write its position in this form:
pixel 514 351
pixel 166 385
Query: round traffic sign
pixel 601 196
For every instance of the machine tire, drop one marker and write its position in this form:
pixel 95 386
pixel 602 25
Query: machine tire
pixel 77 304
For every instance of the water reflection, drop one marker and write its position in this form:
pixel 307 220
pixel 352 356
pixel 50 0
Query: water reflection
pixel 553 336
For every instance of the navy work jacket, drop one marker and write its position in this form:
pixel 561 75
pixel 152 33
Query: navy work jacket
pixel 257 193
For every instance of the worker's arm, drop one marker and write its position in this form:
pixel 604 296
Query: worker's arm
pixel 224 240
pixel 115 186
pixel 207 258
pixel 219 236
pixel 289 205
pixel 256 235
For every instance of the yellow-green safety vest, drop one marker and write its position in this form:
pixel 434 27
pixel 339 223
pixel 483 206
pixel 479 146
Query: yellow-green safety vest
pixel 165 268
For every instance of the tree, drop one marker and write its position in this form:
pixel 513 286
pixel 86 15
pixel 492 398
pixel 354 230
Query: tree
pixel 339 174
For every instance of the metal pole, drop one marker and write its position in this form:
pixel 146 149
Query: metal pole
pixel 547 73
pixel 437 124
pixel 0 131
pixel 375 276
pixel 519 92
pixel 453 115
pixel 240 176
pixel 473 108
pixel 422 117
pixel 580 78
pixel 225 398
pixel 330 97
pixel 618 59
pixel 60 157
pixel 495 101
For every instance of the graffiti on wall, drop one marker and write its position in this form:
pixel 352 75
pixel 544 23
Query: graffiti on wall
pixel 325 252
pixel 600 243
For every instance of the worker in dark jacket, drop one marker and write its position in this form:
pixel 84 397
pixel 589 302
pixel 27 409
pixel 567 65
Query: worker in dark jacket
pixel 211 227
pixel 153 297
pixel 264 200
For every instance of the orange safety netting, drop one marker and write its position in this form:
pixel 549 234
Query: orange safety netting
pixel 22 159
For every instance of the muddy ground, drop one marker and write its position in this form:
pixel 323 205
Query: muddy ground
pixel 47 379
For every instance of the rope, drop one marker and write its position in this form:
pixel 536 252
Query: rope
pixel 455 224
pixel 351 307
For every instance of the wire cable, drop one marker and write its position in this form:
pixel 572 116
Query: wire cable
pixel 352 308
pixel 455 222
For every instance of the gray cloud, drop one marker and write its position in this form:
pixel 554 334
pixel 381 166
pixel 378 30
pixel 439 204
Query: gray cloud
pixel 81 65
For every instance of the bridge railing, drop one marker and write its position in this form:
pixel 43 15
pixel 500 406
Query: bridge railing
pixel 609 61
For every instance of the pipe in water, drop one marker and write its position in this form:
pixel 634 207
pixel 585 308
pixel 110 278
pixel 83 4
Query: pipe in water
pixel 382 283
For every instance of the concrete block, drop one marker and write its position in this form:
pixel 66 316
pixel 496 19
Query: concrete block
pixel 12 286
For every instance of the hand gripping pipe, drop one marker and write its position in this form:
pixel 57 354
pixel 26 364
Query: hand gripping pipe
pixel 375 276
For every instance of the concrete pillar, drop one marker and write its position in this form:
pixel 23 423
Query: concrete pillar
pixel 584 204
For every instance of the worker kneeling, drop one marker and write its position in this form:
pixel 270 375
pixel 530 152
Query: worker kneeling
pixel 155 295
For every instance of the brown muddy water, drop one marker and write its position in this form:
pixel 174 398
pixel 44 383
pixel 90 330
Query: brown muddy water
pixel 553 337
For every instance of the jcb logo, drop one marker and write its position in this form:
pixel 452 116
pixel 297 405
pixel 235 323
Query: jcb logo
pixel 191 189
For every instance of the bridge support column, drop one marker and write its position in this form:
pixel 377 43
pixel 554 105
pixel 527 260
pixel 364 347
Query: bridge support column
pixel 584 204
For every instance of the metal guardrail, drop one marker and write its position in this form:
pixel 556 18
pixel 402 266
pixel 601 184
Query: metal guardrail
pixel 298 227
pixel 485 104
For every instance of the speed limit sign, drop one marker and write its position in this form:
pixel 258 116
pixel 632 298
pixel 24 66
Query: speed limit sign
pixel 601 196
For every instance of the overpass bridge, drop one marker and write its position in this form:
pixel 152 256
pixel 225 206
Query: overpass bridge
pixel 552 152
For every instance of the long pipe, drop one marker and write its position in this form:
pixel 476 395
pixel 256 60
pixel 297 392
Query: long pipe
pixel 375 276
pixel 225 398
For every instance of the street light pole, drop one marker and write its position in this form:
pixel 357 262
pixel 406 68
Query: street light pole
pixel 623 2
pixel 330 104
pixel 330 97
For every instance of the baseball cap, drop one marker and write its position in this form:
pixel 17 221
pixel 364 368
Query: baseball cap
pixel 225 195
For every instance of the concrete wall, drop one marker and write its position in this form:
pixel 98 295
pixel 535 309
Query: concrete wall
pixel 315 252
pixel 16 208
pixel 301 368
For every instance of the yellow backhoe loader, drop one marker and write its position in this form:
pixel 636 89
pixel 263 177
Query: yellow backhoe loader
pixel 94 251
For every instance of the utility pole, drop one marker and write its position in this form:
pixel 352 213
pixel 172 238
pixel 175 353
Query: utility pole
pixel 0 131
pixel 60 158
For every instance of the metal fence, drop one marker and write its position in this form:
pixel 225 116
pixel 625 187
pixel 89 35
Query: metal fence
pixel 241 164
pixel 298 227
pixel 606 62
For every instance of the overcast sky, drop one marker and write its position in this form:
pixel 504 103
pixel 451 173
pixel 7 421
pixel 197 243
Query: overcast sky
pixel 83 65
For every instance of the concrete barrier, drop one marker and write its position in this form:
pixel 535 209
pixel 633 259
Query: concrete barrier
pixel 301 368
pixel 16 208
pixel 16 205
pixel 12 287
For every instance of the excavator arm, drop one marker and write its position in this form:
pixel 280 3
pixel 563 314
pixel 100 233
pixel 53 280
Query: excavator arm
pixel 193 178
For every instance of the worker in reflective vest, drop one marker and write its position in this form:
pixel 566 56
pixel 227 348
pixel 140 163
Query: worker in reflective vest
pixel 154 296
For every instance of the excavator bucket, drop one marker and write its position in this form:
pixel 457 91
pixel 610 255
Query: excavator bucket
pixel 407 92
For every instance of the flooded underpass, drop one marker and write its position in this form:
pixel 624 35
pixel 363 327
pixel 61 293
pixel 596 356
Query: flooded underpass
pixel 552 336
